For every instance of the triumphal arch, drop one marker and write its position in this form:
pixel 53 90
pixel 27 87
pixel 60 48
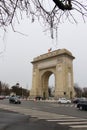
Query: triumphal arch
pixel 59 63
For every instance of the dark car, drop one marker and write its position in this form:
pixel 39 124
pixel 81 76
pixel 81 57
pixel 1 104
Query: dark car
pixel 82 105
pixel 77 100
pixel 14 99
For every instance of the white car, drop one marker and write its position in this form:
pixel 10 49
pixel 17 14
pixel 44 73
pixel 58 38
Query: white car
pixel 64 100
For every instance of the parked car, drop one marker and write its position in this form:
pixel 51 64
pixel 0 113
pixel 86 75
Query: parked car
pixel 64 100
pixel 82 105
pixel 2 97
pixel 7 97
pixel 14 99
pixel 77 100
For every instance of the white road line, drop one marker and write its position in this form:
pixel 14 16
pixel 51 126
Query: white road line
pixel 70 123
pixel 50 116
pixel 65 117
pixel 57 118
pixel 66 120
pixel 78 126
pixel 72 105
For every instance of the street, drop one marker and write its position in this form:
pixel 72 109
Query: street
pixel 43 116
pixel 14 121
pixel 51 107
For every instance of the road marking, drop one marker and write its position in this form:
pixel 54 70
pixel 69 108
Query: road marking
pixel 78 126
pixel 70 123
pixel 73 123
pixel 48 117
pixel 66 120
pixel 72 105
pixel 65 105
pixel 69 117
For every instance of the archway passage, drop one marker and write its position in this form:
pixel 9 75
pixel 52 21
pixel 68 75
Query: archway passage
pixel 46 91
pixel 51 86
pixel 59 63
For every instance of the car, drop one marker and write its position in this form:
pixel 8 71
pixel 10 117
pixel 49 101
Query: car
pixel 64 100
pixel 2 97
pixel 77 100
pixel 14 99
pixel 82 105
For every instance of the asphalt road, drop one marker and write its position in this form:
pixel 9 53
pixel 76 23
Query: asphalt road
pixel 14 121
pixel 40 116
pixel 68 109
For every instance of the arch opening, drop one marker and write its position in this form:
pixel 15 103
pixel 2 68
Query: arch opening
pixel 51 85
pixel 47 84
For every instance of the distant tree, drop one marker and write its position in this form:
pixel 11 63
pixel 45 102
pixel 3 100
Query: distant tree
pixel 25 93
pixel 85 91
pixel 78 90
pixel 4 88
pixel 0 88
pixel 51 13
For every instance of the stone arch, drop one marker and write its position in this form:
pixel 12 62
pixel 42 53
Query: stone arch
pixel 60 63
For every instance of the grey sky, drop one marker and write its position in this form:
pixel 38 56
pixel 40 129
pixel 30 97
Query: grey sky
pixel 15 62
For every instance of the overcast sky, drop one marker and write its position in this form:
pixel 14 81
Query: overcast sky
pixel 19 51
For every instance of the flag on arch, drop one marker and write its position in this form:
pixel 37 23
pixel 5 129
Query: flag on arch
pixel 50 49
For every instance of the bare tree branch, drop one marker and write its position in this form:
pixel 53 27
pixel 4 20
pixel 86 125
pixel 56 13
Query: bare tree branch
pixel 49 12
